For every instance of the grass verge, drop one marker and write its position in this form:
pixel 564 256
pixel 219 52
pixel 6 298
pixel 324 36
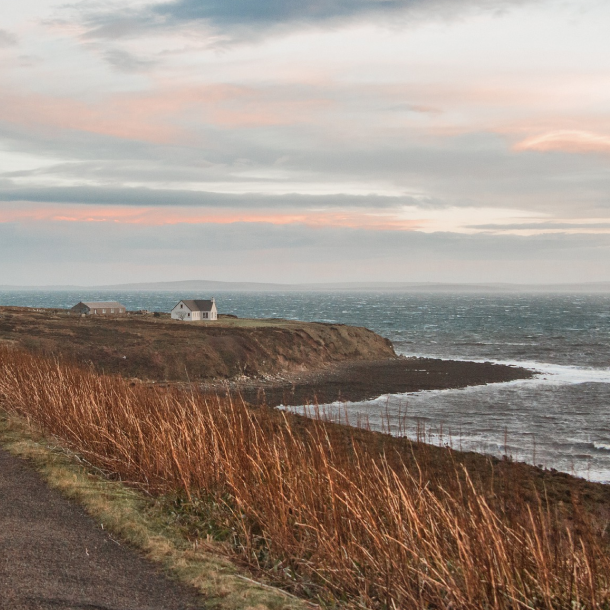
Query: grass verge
pixel 143 522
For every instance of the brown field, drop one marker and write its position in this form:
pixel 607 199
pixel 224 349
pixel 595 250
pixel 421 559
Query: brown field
pixel 340 515
pixel 161 349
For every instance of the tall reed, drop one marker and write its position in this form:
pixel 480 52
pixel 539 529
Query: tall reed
pixel 343 522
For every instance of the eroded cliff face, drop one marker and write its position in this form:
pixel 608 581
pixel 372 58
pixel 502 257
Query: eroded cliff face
pixel 162 349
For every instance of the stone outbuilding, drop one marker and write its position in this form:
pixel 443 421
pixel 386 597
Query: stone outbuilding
pixel 99 308
pixel 194 310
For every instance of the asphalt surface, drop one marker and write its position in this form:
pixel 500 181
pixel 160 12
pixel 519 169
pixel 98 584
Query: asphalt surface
pixel 53 556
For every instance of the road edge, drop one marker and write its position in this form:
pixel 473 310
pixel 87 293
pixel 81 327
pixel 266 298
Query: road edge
pixel 134 519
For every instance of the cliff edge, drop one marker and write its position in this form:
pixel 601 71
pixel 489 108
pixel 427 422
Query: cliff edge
pixel 158 348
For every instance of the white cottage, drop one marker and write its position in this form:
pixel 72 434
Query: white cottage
pixel 193 310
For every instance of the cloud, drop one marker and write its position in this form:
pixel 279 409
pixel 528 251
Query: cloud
pixel 110 26
pixel 145 197
pixel 127 116
pixel 544 228
pixel 29 61
pixel 570 141
pixel 7 39
pixel 560 226
pixel 273 12
pixel 246 19
pixel 464 172
pixel 162 115
pixel 43 252
pixel 161 216
pixel 124 61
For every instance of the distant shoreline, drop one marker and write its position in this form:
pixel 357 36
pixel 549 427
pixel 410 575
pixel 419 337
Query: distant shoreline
pixel 211 286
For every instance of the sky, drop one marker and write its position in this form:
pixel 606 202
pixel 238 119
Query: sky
pixel 304 141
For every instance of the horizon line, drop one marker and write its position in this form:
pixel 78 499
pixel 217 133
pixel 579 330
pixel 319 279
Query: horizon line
pixel 312 286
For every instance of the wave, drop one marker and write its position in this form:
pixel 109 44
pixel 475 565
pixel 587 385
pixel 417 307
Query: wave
pixel 545 371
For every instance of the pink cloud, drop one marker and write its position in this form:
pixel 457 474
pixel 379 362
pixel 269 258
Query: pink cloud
pixel 112 118
pixel 165 115
pixel 170 216
pixel 572 141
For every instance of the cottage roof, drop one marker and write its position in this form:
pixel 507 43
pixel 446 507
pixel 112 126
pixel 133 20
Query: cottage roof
pixel 103 304
pixel 197 305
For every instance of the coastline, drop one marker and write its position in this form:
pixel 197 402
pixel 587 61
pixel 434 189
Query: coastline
pixel 366 380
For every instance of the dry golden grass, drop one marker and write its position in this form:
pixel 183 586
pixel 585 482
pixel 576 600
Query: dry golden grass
pixel 144 523
pixel 342 524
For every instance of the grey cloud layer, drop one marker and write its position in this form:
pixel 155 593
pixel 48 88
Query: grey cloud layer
pixel 7 39
pixel 269 13
pixel 164 197
pixel 127 62
pixel 474 170
pixel 292 253
pixel 252 19
pixel 557 226
pixel 318 244
pixel 273 12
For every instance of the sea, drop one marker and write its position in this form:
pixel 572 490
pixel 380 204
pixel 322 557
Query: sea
pixel 560 419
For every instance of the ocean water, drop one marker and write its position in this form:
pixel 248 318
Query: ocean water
pixel 560 419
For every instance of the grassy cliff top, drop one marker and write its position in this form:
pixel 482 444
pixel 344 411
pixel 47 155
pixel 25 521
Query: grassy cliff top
pixel 152 347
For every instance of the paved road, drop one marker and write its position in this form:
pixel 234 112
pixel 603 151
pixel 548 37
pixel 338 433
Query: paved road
pixel 53 556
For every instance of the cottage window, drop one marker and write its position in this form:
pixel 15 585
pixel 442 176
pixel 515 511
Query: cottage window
pixel 181 305
pixel 112 311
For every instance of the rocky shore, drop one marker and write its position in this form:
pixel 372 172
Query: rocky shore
pixel 363 380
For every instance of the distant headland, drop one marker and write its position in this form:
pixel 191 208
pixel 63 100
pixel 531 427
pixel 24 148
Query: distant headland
pixel 219 286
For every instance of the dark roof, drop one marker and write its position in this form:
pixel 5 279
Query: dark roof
pixel 101 305
pixel 196 305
